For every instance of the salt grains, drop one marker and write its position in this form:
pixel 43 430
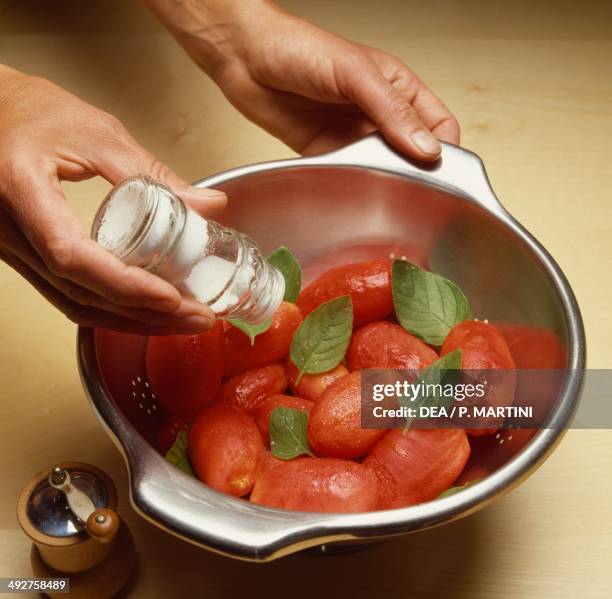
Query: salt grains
pixel 208 278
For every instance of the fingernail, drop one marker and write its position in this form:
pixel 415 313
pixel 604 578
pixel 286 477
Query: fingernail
pixel 426 142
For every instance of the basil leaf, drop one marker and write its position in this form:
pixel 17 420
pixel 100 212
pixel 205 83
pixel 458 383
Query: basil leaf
pixel 252 330
pixel 444 371
pixel 283 260
pixel 177 454
pixel 453 490
pixel 288 436
pixel 427 305
pixel 322 339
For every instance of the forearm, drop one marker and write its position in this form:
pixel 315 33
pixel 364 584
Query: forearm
pixel 210 31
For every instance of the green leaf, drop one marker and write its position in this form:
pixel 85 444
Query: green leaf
pixel 252 330
pixel 322 339
pixel 288 436
pixel 177 454
pixel 453 490
pixel 427 305
pixel 444 371
pixel 283 260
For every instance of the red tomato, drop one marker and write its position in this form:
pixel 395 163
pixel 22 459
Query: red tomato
pixel 341 256
pixel 481 343
pixel 315 485
pixel 368 284
pixel 312 385
pixel 248 389
pixel 534 347
pixel 484 348
pixel 225 449
pixel 416 465
pixel 185 371
pixel 540 350
pixel 167 435
pixel 334 426
pixel 383 344
pixel 270 346
pixel 269 462
pixel 266 407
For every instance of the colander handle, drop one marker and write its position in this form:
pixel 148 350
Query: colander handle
pixel 185 507
pixel 457 168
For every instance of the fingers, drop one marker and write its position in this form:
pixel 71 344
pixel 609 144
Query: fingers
pixel 432 111
pixel 61 137
pixel 126 157
pixel 94 315
pixel 53 230
pixel 448 130
pixel 346 127
pixel 191 315
pixel 391 112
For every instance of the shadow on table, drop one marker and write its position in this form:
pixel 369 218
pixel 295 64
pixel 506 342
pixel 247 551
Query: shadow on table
pixel 437 563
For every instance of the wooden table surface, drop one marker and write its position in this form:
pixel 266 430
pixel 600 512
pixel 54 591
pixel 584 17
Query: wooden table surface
pixel 531 83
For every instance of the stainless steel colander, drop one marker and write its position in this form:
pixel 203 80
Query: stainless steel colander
pixel 362 201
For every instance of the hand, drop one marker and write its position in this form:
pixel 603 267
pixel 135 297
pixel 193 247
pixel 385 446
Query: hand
pixel 48 135
pixel 306 86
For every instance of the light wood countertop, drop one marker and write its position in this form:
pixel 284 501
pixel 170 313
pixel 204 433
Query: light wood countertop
pixel 531 83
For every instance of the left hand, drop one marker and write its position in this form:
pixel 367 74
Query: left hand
pixel 312 89
pixel 47 135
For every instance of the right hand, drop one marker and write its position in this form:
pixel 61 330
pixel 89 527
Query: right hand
pixel 48 135
pixel 312 89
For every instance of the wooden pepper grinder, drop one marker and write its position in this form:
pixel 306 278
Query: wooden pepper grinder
pixel 68 511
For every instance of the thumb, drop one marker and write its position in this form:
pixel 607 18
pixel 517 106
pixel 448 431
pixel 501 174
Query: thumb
pixel 391 112
pixel 126 157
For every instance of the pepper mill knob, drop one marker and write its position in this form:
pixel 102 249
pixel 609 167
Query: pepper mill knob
pixel 103 525
pixel 58 475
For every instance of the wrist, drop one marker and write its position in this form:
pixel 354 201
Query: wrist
pixel 213 32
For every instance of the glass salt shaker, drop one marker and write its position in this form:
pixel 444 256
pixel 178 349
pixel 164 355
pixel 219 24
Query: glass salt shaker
pixel 142 222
